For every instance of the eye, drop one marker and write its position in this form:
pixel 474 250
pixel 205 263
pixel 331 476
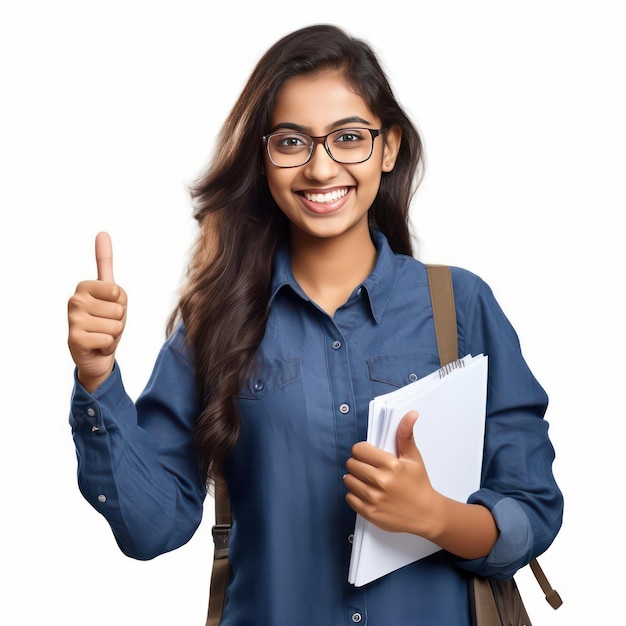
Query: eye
pixel 348 136
pixel 289 141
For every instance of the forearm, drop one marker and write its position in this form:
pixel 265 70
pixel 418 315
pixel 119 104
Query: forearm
pixel 465 530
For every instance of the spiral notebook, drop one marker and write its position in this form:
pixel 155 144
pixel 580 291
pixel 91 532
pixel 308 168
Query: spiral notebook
pixel 449 433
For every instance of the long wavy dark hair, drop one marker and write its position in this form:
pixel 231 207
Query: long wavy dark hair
pixel 224 302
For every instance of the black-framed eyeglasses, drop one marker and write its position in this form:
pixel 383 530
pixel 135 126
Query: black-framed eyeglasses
pixel 289 148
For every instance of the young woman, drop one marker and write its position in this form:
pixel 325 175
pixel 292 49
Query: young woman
pixel 302 303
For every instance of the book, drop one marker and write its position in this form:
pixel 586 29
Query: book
pixel 449 434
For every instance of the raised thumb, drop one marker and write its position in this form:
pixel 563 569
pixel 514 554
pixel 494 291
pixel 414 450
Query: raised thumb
pixel 405 439
pixel 104 257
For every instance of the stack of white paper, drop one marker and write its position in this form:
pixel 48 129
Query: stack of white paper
pixel 449 434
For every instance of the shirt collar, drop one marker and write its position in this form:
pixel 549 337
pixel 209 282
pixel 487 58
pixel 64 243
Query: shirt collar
pixel 378 286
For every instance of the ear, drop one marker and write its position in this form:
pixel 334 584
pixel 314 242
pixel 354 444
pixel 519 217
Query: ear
pixel 393 138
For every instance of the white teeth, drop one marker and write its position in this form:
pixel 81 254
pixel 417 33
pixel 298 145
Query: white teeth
pixel 321 198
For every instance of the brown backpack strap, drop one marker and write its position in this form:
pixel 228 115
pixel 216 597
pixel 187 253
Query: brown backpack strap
pixel 221 565
pixel 444 313
pixel 552 596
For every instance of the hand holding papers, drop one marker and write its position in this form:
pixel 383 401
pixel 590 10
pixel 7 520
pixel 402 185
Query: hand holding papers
pixel 449 434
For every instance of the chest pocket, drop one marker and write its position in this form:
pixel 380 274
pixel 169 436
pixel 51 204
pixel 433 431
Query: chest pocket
pixel 387 373
pixel 269 376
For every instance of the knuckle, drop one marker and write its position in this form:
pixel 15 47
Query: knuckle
pixel 75 301
pixel 120 312
pixel 395 464
pixel 75 319
pixel 382 482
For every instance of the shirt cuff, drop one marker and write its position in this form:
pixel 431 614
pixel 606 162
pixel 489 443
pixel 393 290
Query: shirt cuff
pixel 85 411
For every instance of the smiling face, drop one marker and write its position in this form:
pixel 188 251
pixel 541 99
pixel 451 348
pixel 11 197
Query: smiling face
pixel 323 198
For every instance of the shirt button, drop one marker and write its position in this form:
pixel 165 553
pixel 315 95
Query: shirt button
pixel 412 377
pixel 258 386
pixel 356 617
pixel 102 498
pixel 359 290
pixel 344 408
pixel 350 538
pixel 336 345
pixel 91 412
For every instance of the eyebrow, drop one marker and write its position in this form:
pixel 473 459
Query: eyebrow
pixel 305 129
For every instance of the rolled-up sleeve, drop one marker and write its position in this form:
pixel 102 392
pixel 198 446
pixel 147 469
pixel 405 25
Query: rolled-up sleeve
pixel 517 484
pixel 137 464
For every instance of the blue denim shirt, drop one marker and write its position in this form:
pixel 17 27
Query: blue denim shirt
pixel 301 411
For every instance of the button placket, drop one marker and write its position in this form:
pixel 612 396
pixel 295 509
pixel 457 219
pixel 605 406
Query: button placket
pixel 341 388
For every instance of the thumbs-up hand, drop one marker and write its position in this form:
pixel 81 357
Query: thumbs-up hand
pixel 395 494
pixel 391 491
pixel 96 317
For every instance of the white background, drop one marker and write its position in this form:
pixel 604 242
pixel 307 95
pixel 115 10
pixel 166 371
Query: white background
pixel 109 109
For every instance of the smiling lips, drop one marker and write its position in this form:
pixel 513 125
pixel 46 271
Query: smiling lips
pixel 326 198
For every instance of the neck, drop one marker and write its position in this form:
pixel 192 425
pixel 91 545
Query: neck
pixel 329 269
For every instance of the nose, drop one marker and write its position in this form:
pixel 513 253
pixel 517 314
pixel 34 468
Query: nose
pixel 321 166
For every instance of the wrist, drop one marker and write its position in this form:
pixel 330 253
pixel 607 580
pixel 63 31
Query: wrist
pixel 437 525
pixel 91 383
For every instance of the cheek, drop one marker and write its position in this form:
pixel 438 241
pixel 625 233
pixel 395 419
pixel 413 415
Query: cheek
pixel 278 180
pixel 370 182
pixel 279 185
